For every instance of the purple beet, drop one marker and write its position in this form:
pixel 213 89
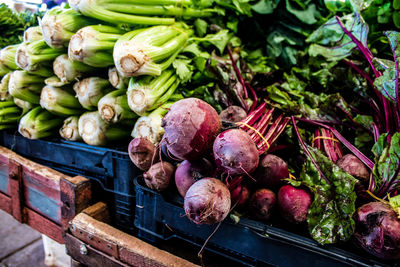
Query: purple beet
pixel 191 126
pixel 235 152
pixel 141 152
pixel 294 203
pixel 233 114
pixel 378 230
pixel 262 203
pixel 159 176
pixel 207 201
pixel 353 166
pixel 188 172
pixel 271 171
pixel 240 196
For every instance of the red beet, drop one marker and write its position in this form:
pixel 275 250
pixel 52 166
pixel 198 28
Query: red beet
pixel 191 126
pixel 353 166
pixel 235 152
pixel 262 203
pixel 271 171
pixel 233 114
pixel 294 203
pixel 207 201
pixel 240 196
pixel 378 230
pixel 188 172
pixel 141 152
pixel 159 176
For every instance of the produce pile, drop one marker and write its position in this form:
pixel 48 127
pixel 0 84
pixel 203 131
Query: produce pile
pixel 260 108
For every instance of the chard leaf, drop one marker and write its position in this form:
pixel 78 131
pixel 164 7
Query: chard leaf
pixel 265 6
pixel 308 16
pixel 330 215
pixel 387 164
pixel 201 27
pixel 386 84
pixel 331 42
pixel 219 39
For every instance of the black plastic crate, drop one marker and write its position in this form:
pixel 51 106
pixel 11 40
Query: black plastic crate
pixel 112 168
pixel 161 216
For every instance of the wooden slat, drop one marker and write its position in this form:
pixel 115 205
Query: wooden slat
pixel 87 255
pixel 44 225
pixel 131 250
pixel 98 211
pixel 5 203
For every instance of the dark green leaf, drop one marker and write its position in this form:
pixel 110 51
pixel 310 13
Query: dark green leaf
pixel 307 16
pixel 265 6
pixel 330 215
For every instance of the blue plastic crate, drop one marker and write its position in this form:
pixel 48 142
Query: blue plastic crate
pixel 112 168
pixel 161 216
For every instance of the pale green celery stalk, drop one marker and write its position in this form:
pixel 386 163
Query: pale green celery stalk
pixel 69 130
pixel 9 112
pixel 69 70
pixel 33 33
pixel 96 131
pixel 3 70
pixel 144 9
pixel 116 79
pixel 113 107
pixel 7 57
pixel 148 94
pixel 43 71
pixel 96 9
pixel 151 51
pixel 32 55
pixel 4 93
pixel 55 81
pixel 90 90
pixel 150 126
pixel 25 105
pixel 7 126
pixel 59 24
pixel 25 86
pixel 39 123
pixel 93 45
pixel 60 101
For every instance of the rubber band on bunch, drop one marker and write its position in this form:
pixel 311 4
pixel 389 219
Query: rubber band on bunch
pixel 325 138
pixel 256 131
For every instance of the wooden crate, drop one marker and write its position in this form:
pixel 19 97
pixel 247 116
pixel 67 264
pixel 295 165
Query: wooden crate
pixel 90 241
pixel 41 197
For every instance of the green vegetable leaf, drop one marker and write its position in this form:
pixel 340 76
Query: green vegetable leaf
pixel 201 27
pixel 183 68
pixel 386 84
pixel 308 16
pixel 219 39
pixel 394 202
pixel 331 42
pixel 387 161
pixel 265 6
pixel 330 215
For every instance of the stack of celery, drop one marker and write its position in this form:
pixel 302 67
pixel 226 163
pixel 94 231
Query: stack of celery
pixel 104 70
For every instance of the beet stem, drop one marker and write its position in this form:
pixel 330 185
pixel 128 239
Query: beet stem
pixel 238 74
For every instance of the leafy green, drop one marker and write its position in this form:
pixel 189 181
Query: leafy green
pixel 331 42
pixel 12 24
pixel 330 215
pixel 265 6
pixel 394 202
pixel 387 162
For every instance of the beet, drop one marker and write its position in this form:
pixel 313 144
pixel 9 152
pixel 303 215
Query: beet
pixel 141 152
pixel 240 196
pixel 233 114
pixel 271 171
pixel 191 126
pixel 188 172
pixel 159 176
pixel 207 201
pixel 294 203
pixel 262 203
pixel 353 166
pixel 235 152
pixel 378 230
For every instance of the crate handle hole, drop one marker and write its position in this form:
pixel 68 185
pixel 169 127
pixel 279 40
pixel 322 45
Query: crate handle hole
pixel 67 205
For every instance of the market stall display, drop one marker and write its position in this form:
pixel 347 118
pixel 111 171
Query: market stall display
pixel 283 113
